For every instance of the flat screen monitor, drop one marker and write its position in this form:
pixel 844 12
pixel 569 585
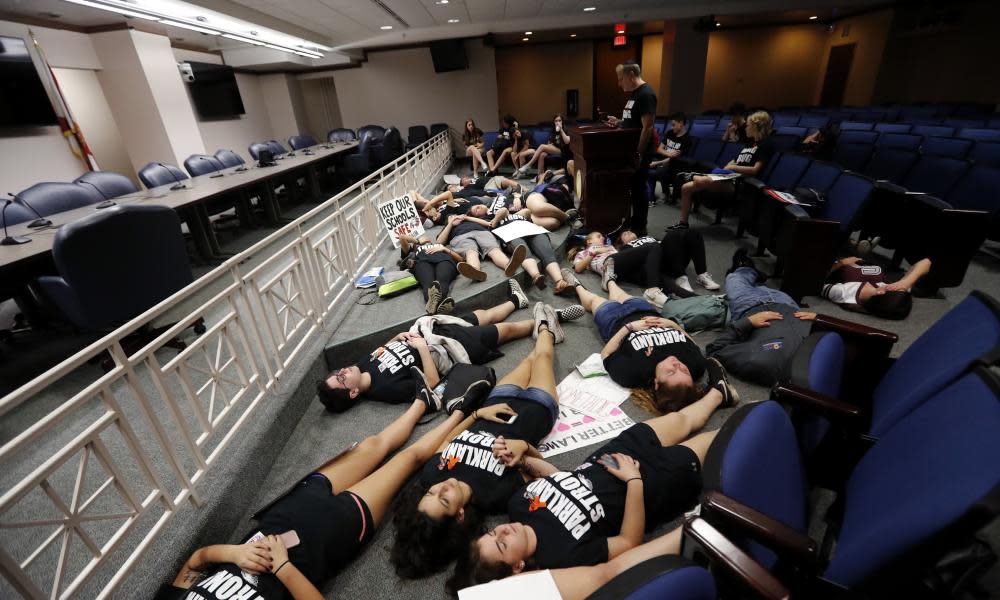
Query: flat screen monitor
pixel 23 101
pixel 449 55
pixel 215 92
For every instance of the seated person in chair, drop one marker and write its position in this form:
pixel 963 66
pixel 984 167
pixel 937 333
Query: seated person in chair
pixel 765 330
pixel 749 162
pixel 558 145
pixel 861 287
pixel 676 142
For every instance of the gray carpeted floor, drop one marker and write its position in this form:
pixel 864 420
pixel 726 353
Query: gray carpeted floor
pixel 321 434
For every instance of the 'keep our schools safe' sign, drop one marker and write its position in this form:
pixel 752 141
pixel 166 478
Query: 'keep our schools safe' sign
pixel 400 217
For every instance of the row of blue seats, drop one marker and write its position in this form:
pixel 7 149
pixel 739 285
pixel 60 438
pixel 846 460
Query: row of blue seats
pixel 908 446
pixel 981 151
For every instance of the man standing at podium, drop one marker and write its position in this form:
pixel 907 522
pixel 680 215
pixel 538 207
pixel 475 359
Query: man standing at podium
pixel 639 111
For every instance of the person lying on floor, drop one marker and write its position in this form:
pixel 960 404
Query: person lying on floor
pixel 435 267
pixel 538 242
pixel 438 514
pixel 551 203
pixel 765 329
pixel 648 475
pixel 384 375
pixel 472 238
pixel 646 352
pixel 861 287
pixel 333 512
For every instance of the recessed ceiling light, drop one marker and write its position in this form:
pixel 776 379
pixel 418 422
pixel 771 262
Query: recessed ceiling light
pixel 442 2
pixel 717 24
pixel 385 27
pixel 813 18
pixel 525 39
pixel 453 20
pixel 589 9
pixel 528 32
pixel 572 35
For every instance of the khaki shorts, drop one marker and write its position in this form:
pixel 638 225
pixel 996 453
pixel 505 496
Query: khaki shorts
pixel 475 241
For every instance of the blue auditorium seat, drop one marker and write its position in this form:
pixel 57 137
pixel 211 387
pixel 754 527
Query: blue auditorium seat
pixel 993 123
pixel 890 164
pixel 857 136
pixel 488 139
pixel 255 148
pixel 156 174
pixel 853 156
pixel 785 142
pixel 820 176
pixel 416 135
pixel 964 123
pixel 811 121
pixel 50 197
pixel 539 136
pixel 437 128
pixel 202 164
pixel 980 135
pixel 986 153
pixel 785 120
pixel 117 263
pixel 892 127
pixel 935 130
pixel 845 199
pixel 818 366
pixel 277 149
pixel 730 150
pixel 667 576
pixel 792 130
pixel 903 141
pixel 228 158
pixel 302 141
pixel 108 183
pixel 979 189
pixel 856 126
pixel 947 147
pixel 934 175
pixel 341 134
pixel 703 129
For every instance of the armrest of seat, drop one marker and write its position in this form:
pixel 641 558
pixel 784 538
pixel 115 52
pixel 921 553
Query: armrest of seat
pixel 814 401
pixel 890 187
pixel 772 533
pixel 731 560
pixel 753 182
pixel 64 297
pixel 796 211
pixel 856 334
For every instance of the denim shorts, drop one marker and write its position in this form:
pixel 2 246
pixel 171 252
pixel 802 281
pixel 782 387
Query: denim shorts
pixel 612 316
pixel 509 390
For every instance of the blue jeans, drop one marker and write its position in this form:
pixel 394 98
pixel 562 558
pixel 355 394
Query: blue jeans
pixel 744 294
pixel 537 395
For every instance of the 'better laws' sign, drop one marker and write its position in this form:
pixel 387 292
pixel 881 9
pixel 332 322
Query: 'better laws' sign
pixel 399 216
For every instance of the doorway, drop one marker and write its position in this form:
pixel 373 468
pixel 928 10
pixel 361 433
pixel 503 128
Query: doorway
pixel 837 70
pixel 607 95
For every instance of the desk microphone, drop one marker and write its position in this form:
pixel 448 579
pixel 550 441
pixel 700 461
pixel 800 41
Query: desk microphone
pixel 308 152
pixel 9 240
pixel 216 175
pixel 240 169
pixel 176 186
pixel 40 221
pixel 106 203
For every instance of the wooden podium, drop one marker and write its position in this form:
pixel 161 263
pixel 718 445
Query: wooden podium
pixel 605 163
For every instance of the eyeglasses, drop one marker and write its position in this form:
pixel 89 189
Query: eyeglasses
pixel 341 377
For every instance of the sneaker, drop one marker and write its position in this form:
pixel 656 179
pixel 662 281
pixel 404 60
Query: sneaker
pixel 539 316
pixel 655 296
pixel 609 273
pixel 718 379
pixel 683 283
pixel 572 214
pixel 866 246
pixel 569 277
pixel 516 295
pixel 424 391
pixel 576 225
pixel 472 399
pixel 516 258
pixel 539 281
pixel 447 306
pixel 678 225
pixel 570 313
pixel 705 280
pixel 552 322
pixel 471 272
pixel 485 168
pixel 433 298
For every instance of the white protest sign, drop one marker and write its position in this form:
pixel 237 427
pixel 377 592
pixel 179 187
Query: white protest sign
pixel 518 229
pixel 399 216
pixel 575 429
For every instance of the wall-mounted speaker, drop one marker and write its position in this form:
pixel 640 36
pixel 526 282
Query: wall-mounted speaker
pixel 572 103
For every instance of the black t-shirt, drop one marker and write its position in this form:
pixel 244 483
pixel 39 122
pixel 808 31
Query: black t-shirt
pixel 567 513
pixel 493 205
pixel 677 142
pixel 225 581
pixel 633 363
pixel 389 367
pixel 641 102
pixel 465 227
pixel 643 241
pixel 478 183
pixel 757 152
pixel 421 253
pixel 469 457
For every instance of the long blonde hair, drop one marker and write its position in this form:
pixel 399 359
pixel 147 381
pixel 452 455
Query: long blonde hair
pixel 762 121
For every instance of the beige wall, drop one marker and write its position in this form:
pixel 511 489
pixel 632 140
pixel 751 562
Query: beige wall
pixel 400 87
pixel 652 63
pixel 321 105
pixel 532 80
pixel 869 33
pixel 769 67
pixel 90 108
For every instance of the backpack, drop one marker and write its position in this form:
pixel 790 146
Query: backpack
pixel 394 283
pixel 697 313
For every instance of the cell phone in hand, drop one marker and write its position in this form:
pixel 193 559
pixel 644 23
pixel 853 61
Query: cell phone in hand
pixel 290 538
pixel 508 419
pixel 608 461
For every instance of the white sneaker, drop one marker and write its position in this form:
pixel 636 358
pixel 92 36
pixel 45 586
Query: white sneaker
pixel 655 296
pixel 705 280
pixel 682 282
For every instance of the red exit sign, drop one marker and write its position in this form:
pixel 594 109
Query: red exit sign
pixel 619 40
pixel 619 28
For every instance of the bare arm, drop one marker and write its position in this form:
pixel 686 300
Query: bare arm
pixel 427 362
pixel 288 574
pixel 745 170
pixel 255 558
pixel 443 236
pixel 918 270
pixel 634 522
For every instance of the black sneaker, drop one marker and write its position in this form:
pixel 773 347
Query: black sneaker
pixel 472 399
pixel 741 258
pixel 570 313
pixel 446 307
pixel 718 379
pixel 678 225
pixel 424 391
